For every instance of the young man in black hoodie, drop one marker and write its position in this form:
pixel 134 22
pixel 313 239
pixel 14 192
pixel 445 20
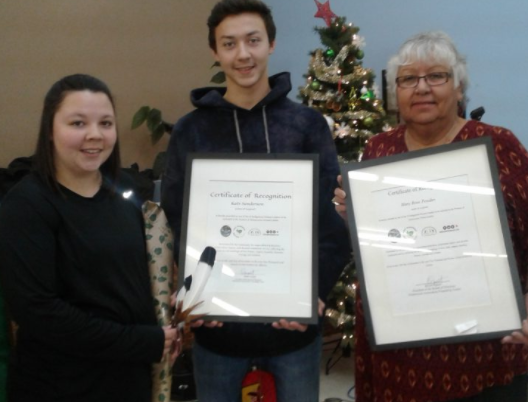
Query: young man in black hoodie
pixel 253 115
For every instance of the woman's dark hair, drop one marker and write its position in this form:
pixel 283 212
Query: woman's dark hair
pixel 226 8
pixel 43 159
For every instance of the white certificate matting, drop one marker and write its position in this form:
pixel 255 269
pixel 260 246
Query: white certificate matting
pixel 432 246
pixel 259 213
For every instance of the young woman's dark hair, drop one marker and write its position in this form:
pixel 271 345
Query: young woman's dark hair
pixel 43 161
pixel 226 8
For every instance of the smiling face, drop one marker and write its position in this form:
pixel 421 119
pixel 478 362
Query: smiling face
pixel 243 49
pixel 84 134
pixel 425 104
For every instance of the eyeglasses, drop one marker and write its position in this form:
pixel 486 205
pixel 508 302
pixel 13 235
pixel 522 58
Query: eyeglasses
pixel 432 79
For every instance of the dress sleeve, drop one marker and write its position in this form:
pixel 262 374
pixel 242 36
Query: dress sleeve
pixel 334 244
pixel 512 162
pixel 28 233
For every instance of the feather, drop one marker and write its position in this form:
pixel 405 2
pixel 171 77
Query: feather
pixel 195 283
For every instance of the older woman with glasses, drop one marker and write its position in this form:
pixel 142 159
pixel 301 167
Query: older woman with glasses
pixel 428 77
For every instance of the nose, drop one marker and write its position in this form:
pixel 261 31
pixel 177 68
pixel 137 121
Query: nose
pixel 422 85
pixel 242 51
pixel 94 132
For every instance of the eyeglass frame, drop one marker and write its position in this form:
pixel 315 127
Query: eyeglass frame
pixel 419 77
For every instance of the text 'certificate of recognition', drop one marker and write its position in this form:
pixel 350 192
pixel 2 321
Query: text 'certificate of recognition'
pixel 432 246
pixel 259 212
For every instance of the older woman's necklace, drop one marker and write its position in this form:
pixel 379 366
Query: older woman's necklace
pixel 413 143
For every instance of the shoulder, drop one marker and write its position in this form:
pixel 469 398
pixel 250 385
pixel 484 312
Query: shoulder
pixel 29 198
pixel 29 187
pixel 504 141
pixel 385 143
pixel 189 119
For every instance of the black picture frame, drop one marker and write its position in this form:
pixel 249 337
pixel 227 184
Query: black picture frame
pixel 291 294
pixel 400 309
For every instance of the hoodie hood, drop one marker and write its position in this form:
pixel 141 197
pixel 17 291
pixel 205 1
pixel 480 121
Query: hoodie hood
pixel 213 97
pixel 280 86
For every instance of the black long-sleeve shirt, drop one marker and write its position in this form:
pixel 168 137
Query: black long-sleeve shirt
pixel 75 277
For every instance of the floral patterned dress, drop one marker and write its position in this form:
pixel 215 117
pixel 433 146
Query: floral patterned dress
pixel 447 372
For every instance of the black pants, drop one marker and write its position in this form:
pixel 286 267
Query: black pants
pixel 517 391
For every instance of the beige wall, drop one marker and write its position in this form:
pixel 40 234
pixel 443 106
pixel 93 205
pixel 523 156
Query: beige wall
pixel 150 52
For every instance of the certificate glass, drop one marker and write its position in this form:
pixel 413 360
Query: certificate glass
pixel 432 246
pixel 259 212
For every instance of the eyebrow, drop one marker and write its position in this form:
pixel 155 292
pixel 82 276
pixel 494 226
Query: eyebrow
pixel 76 114
pixel 233 36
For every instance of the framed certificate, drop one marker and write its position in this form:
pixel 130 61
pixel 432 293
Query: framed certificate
pixel 259 212
pixel 432 246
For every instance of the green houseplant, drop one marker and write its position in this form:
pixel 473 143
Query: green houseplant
pixel 158 127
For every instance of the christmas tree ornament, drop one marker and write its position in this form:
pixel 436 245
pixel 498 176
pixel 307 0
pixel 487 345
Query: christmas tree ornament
pixel 315 85
pixel 324 12
pixel 330 53
pixel 368 95
pixel 358 41
pixel 343 131
pixel 368 121
pixel 332 315
pixel 339 286
pixel 360 54
pixel 350 289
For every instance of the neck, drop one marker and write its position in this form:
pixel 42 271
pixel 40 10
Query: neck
pixel 425 136
pixel 86 186
pixel 246 98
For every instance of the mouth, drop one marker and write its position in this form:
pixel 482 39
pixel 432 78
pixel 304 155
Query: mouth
pixel 245 69
pixel 423 103
pixel 91 151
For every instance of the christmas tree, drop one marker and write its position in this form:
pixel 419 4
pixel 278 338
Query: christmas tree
pixel 340 88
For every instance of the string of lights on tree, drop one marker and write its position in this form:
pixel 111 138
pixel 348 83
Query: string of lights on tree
pixel 344 91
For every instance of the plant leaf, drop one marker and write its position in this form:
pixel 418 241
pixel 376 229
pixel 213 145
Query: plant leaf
pixel 153 119
pixel 140 116
pixel 157 133
pixel 219 78
pixel 159 165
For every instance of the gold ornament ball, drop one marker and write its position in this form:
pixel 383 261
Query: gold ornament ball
pixel 350 290
pixel 368 121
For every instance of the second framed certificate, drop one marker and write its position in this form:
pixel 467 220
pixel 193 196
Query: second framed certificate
pixel 259 212
pixel 432 246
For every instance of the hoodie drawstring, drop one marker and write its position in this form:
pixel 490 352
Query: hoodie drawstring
pixel 240 147
pixel 264 118
pixel 266 133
